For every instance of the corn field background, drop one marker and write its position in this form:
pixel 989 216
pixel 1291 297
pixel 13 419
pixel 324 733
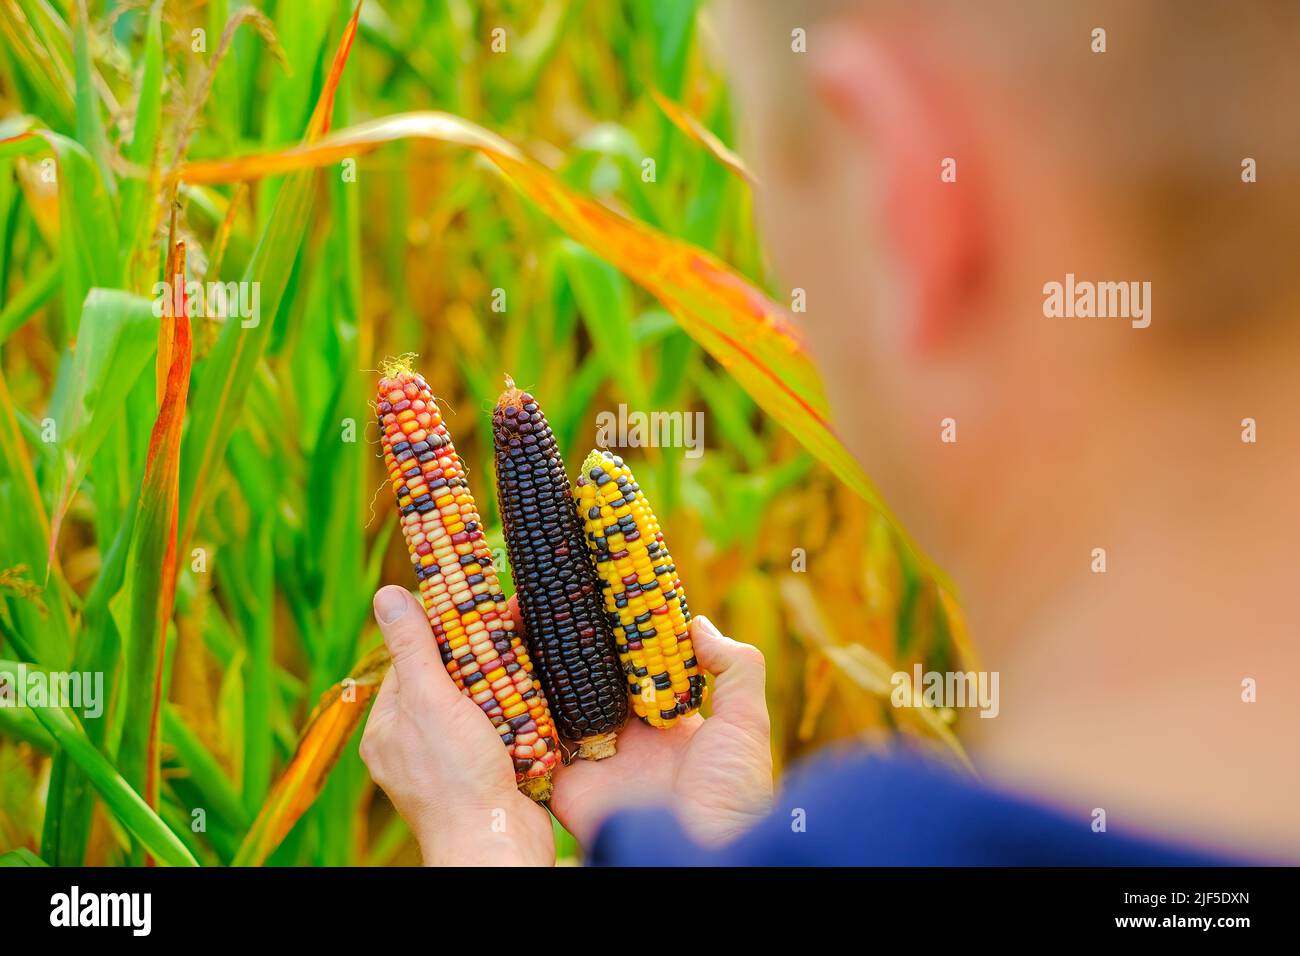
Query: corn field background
pixel 195 508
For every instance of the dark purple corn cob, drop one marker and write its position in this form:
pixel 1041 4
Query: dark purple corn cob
pixel 559 597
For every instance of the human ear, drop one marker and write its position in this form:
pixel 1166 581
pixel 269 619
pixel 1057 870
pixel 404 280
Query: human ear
pixel 928 185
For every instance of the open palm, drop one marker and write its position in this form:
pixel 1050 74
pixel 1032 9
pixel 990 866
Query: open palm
pixel 442 765
pixel 715 774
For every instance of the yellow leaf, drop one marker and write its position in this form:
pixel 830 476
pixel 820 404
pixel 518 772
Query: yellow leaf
pixel 328 730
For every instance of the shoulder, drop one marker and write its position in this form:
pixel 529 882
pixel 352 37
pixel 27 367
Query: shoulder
pixel 852 808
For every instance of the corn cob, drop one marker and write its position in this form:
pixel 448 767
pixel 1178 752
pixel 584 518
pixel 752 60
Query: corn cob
pixel 458 583
pixel 555 580
pixel 644 598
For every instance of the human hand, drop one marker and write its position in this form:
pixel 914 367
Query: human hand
pixel 440 760
pixel 715 774
pixel 443 766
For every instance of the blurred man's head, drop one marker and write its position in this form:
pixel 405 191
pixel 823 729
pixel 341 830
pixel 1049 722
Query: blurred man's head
pixel 928 168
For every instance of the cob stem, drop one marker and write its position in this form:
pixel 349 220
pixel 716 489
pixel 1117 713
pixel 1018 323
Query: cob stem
pixel 598 747
pixel 537 789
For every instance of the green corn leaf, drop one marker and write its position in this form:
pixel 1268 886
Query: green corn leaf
pixel 39 633
pixel 118 337
pixel 87 220
pixel 19 723
pixel 125 802
pixel 672 25
pixel 605 304
pixel 225 376
pixel 36 291
pixel 203 771
pixel 39 65
pixel 21 857
pixel 139 192
pixel 90 121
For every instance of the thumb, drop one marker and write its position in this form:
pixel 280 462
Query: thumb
pixel 416 661
pixel 739 673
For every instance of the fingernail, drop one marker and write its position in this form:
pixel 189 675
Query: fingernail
pixel 704 624
pixel 390 602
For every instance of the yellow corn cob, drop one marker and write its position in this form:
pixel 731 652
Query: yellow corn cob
pixel 644 598
pixel 458 583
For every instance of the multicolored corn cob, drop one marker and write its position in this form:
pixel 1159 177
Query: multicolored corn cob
pixel 458 583
pixel 644 598
pixel 555 580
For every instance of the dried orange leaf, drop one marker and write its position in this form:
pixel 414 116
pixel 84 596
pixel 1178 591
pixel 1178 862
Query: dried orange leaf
pixel 328 730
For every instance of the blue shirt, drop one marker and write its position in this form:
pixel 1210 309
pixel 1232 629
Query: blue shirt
pixel 851 809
